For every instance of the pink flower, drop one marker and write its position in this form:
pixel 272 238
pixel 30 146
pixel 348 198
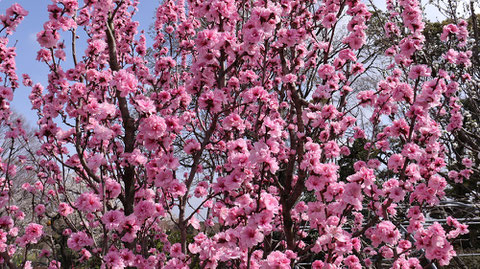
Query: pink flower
pixel 353 262
pixel 79 240
pixel 347 54
pixel 48 38
pixel 411 151
pixel 207 38
pixel 255 94
pixel 152 130
pixel 318 264
pixel 113 260
pixel 357 37
pixel 64 209
pixel 127 257
pixel 289 78
pixel 386 232
pixel 447 30
pixel 418 71
pixel 269 201
pixel 38 185
pixel 211 100
pixel 113 219
pixel 95 161
pixel 395 162
pixel 408 47
pixel 16 9
pixel 33 232
pixel 12 18
pixel 234 121
pixel 176 251
pixel 403 92
pixel 391 29
pixel 135 158
pixel 102 132
pixel 144 210
pixel 397 194
pixel 112 188
pixel 455 176
pixel 437 183
pixel 40 209
pixel 366 97
pixel 6 93
pixel 125 82
pixel 89 202
pixel 178 189
pixel 329 20
pixel 451 56
pixel 466 173
pixel 145 105
pixel 200 192
pixel 414 263
pixel 6 222
pixel 54 265
pixel 105 110
pixel 434 242
pixel 194 222
pixel 130 227
pixel 28 265
pixel 191 146
pixel 262 154
pixel 250 236
pixel 45 253
pixel 459 228
pixel 164 64
pixel 96 46
pixel 363 175
pixel 85 255
pixel 326 71
pixel 467 162
pixel 278 260
pixel 353 195
pixel 331 149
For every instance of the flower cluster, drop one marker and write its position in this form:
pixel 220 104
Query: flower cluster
pixel 234 142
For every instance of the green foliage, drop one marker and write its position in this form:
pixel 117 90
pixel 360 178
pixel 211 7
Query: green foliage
pixel 357 152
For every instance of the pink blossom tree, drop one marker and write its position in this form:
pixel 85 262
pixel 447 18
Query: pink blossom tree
pixel 247 110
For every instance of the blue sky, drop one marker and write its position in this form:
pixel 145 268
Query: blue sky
pixel 27 46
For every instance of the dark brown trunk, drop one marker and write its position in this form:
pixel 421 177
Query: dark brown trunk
pixel 128 122
pixel 288 227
